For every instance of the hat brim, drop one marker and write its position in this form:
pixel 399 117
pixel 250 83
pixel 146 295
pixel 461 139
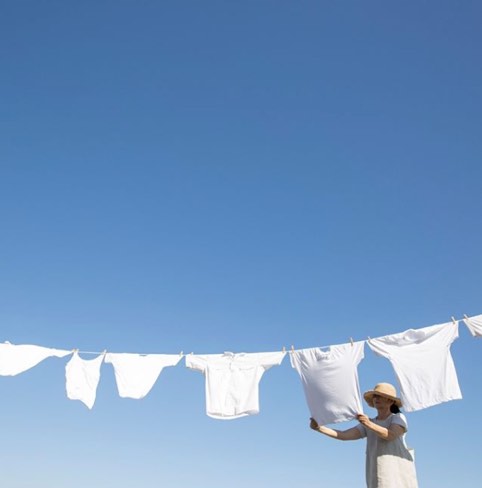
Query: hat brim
pixel 368 396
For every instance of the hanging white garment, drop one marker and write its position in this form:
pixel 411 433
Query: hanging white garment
pixel 135 374
pixel 474 324
pixel 232 381
pixel 330 381
pixel 82 378
pixel 423 364
pixel 17 359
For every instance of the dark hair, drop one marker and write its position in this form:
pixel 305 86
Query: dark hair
pixel 394 408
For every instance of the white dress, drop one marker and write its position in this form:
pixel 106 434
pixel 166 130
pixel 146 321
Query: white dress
pixel 389 464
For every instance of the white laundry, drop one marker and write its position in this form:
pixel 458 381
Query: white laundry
pixel 17 359
pixel 423 364
pixel 82 378
pixel 232 381
pixel 135 374
pixel 474 324
pixel 330 381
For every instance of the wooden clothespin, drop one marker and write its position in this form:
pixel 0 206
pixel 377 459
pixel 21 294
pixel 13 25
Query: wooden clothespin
pixel 369 338
pixel 453 320
pixel 284 349
pixel 181 354
pixel 465 317
pixel 292 348
pixel 351 340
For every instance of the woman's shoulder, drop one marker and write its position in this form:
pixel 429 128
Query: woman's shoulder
pixel 399 418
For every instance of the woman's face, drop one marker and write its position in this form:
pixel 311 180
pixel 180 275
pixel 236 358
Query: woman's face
pixel 381 402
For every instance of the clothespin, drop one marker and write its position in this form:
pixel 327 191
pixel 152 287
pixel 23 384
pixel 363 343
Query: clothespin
pixel 292 348
pixel 351 340
pixel 369 338
pixel 75 351
pixel 284 349
pixel 104 352
pixel 465 316
pixel 180 354
pixel 453 320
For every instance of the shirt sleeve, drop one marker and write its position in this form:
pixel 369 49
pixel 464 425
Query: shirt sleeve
pixel 269 359
pixel 197 363
pixel 362 429
pixel 474 325
pixel 399 419
pixel 169 359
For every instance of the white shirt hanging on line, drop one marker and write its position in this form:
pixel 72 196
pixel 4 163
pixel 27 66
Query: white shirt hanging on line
pixel 474 324
pixel 330 381
pixel 135 374
pixel 232 381
pixel 17 359
pixel 423 364
pixel 82 378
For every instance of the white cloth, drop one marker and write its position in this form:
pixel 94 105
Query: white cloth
pixel 330 381
pixel 389 464
pixel 423 364
pixel 82 378
pixel 474 324
pixel 135 374
pixel 17 359
pixel 232 381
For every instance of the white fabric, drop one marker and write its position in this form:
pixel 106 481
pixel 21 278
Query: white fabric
pixel 423 364
pixel 474 324
pixel 330 381
pixel 135 374
pixel 389 464
pixel 17 359
pixel 82 377
pixel 232 381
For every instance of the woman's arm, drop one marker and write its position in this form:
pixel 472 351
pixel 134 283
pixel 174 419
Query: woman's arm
pixel 389 434
pixel 342 435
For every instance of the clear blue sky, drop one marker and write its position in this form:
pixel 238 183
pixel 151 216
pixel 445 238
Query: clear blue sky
pixel 233 176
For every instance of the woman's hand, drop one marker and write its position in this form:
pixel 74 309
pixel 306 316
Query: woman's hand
pixel 314 424
pixel 363 419
pixel 342 435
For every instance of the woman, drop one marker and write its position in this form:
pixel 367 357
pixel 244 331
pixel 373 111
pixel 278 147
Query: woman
pixel 389 464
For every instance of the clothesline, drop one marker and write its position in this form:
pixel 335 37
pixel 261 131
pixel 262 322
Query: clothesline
pixel 284 349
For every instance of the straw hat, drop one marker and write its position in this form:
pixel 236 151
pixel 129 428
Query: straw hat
pixel 385 390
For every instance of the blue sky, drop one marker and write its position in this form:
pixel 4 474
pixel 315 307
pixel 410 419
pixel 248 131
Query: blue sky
pixel 233 176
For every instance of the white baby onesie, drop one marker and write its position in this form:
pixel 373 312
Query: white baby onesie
pixel 423 364
pixel 135 374
pixel 232 381
pixel 330 381
pixel 82 378
pixel 17 359
pixel 474 324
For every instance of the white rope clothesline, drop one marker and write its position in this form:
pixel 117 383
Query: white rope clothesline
pixel 98 353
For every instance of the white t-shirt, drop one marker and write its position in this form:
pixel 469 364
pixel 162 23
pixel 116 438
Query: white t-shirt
pixel 135 374
pixel 474 324
pixel 17 359
pixel 82 378
pixel 330 381
pixel 232 381
pixel 423 364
